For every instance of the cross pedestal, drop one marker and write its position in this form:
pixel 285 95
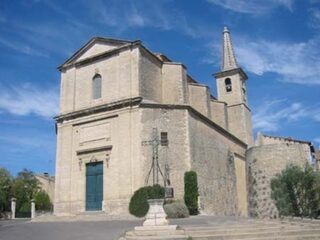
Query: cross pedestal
pixel 156 225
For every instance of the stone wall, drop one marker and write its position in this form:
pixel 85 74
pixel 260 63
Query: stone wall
pixel 213 158
pixel 219 113
pixel 264 162
pixel 199 145
pixel 174 84
pixel 239 122
pixel 176 154
pixel 265 140
pixel 47 185
pixel 150 79
pixel 199 97
pixel 98 48
pixel 119 75
pixel 112 138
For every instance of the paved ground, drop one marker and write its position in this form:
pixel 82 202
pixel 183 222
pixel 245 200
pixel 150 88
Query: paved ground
pixel 26 230
pixel 86 230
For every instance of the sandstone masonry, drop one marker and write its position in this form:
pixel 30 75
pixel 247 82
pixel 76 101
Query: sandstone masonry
pixel 115 93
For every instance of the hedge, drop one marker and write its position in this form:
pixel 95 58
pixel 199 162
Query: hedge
pixel 139 201
pixel 191 192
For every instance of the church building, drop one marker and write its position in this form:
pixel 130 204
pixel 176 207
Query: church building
pixel 124 107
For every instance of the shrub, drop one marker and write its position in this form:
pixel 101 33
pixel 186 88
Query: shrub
pixel 191 192
pixel 176 210
pixel 139 201
pixel 5 190
pixel 24 187
pixel 25 207
pixel 42 201
pixel 296 192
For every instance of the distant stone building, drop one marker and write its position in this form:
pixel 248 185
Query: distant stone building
pixel 116 96
pixel 47 184
pixel 316 157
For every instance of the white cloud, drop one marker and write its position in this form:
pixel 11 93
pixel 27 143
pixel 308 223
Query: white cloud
pixel 22 48
pixel 314 18
pixel 136 20
pixel 270 115
pixel 253 6
pixel 154 14
pixel 293 62
pixel 25 100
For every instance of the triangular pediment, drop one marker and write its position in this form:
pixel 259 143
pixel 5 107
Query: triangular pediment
pixel 95 46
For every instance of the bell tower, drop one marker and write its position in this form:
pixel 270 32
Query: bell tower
pixel 231 88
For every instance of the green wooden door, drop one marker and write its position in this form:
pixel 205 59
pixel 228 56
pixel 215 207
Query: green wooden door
pixel 94 186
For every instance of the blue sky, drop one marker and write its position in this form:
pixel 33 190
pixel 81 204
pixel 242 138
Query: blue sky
pixel 277 42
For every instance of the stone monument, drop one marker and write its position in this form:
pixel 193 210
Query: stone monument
pixel 156 226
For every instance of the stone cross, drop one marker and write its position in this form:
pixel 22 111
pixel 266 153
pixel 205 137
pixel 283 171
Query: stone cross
pixel 155 168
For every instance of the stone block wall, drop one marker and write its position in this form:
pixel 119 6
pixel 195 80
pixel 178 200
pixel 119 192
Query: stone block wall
pixel 174 84
pixel 219 113
pixel 264 162
pixel 112 138
pixel 213 158
pixel 150 79
pixel 47 185
pixel 239 122
pixel 119 74
pixel 176 154
pixel 199 98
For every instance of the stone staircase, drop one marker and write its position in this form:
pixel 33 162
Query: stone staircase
pixel 250 229
pixel 255 230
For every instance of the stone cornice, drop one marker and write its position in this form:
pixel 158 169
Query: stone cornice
pixel 137 101
pixel 231 72
pixel 96 149
pixel 196 113
pixel 234 105
pixel 98 57
pixel 100 108
pixel 91 42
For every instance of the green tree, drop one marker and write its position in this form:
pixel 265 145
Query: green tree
pixel 5 189
pixel 296 191
pixel 42 201
pixel 24 188
pixel 191 193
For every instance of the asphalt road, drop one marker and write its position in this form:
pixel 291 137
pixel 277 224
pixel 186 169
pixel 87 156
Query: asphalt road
pixel 26 230
pixel 85 230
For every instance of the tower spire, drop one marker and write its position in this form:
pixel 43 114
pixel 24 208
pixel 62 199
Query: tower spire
pixel 228 57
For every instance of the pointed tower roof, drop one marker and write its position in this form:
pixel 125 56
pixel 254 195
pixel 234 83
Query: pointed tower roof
pixel 229 61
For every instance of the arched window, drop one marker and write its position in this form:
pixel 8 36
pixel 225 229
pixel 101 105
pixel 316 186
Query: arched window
pixel 228 84
pixel 96 86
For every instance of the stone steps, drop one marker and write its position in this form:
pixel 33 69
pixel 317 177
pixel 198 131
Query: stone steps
pixel 255 232
pixel 300 237
pixel 156 233
pixel 241 230
pixel 238 230
pixel 175 237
